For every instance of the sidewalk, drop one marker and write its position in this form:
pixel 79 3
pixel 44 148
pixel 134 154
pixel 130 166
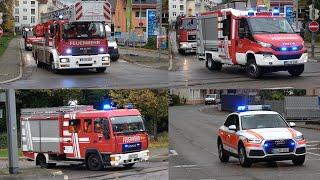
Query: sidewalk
pixel 10 62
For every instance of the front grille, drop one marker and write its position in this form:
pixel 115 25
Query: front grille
pixel 275 144
pixel 78 51
pixel 192 37
pixel 132 147
pixel 256 153
pixel 287 57
pixel 301 150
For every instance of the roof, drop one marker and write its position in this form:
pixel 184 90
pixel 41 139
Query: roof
pixel 42 1
pixel 107 113
pixel 256 112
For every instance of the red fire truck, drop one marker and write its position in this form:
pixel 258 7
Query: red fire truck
pixel 260 41
pixel 28 37
pixel 81 134
pixel 74 37
pixel 186 34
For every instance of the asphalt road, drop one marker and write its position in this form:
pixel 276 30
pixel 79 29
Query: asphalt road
pixel 121 74
pixel 189 71
pixel 193 151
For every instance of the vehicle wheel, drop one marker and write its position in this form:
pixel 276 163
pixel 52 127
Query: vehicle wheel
pixel 128 165
pixel 244 161
pixel 94 162
pixel 296 71
pixel 114 59
pixel 205 103
pixel 100 70
pixel 53 69
pixel 222 153
pixel 298 160
pixel 252 69
pixel 41 160
pixel 213 65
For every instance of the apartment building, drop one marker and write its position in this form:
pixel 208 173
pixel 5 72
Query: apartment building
pixel 176 7
pixel 25 13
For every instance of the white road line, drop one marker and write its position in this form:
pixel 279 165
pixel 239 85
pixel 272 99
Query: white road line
pixel 313 142
pixel 314 154
pixel 312 148
pixel 312 145
pixel 173 153
pixel 186 166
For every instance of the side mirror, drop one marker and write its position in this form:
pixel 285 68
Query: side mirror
pixel 232 128
pixel 292 124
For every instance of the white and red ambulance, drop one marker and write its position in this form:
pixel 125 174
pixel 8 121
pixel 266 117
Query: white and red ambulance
pixel 74 37
pixel 81 134
pixel 255 133
pixel 260 41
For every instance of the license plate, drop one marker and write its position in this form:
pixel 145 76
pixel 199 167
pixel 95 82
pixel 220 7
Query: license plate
pixel 290 62
pixel 280 150
pixel 85 59
pixel 133 156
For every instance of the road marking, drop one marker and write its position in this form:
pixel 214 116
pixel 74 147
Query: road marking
pixel 173 153
pixel 185 166
pixel 312 148
pixel 313 142
pixel 313 145
pixel 314 154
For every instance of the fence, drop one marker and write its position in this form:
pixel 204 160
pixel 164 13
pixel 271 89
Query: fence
pixel 131 39
pixel 301 107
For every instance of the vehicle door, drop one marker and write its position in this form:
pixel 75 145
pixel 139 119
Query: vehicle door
pixel 102 138
pixel 243 41
pixel 227 133
pixel 233 136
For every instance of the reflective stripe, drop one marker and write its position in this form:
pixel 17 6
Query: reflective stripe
pixel 302 142
pixel 293 132
pixel 255 134
pixel 247 144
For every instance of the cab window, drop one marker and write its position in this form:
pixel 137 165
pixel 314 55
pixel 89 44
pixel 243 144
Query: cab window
pixel 74 125
pixel 243 28
pixel 87 126
pixel 97 126
pixel 230 121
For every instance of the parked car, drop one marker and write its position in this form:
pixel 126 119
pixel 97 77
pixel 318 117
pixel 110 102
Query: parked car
pixel 212 99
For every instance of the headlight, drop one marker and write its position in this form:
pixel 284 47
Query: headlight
pixel 105 58
pixel 299 138
pixel 263 44
pixel 254 140
pixel 115 158
pixel 64 60
pixel 183 45
pixel 116 47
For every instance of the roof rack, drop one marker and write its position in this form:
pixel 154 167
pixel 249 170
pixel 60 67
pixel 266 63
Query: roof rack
pixel 54 110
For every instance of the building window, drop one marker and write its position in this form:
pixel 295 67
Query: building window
pixel 33 19
pixel 33 3
pixel 181 7
pixel 16 19
pixel 25 18
pixel 33 11
pixel 25 2
pixel 174 14
pixel 174 6
pixel 143 14
pixel 16 3
pixel 25 10
pixel 16 10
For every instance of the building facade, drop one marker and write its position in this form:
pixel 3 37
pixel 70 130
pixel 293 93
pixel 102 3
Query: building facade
pixel 25 13
pixel 176 7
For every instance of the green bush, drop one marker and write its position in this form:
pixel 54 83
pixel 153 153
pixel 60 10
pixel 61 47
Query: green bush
pixel 152 43
pixel 3 140
pixel 175 99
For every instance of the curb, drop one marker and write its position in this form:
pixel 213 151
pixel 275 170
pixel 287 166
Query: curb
pixel 21 69
pixel 138 64
pixel 143 49
pixel 6 158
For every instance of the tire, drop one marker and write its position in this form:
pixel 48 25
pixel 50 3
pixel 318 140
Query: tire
pixel 205 103
pixel 296 71
pixel 128 165
pixel 114 59
pixel 298 160
pixel 94 162
pixel 213 65
pixel 41 161
pixel 243 160
pixel 252 69
pixel 53 69
pixel 100 70
pixel 223 156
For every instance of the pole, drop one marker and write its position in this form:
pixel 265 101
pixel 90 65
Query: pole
pixel 312 35
pixel 160 24
pixel 297 15
pixel 139 24
pixel 12 131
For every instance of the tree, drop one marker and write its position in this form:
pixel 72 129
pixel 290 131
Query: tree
pixel 151 103
pixel 6 7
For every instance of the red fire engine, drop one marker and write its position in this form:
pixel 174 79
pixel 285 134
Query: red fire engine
pixel 74 37
pixel 81 134
pixel 186 34
pixel 28 38
pixel 260 41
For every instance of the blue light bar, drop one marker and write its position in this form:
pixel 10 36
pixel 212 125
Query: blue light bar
pixel 241 108
pixel 294 48
pixel 60 16
pixel 107 107
pixel 251 12
pixel 276 12
pixel 254 108
pixel 284 49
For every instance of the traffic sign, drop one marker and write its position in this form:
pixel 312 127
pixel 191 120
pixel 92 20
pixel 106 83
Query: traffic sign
pixel 1 32
pixel 314 26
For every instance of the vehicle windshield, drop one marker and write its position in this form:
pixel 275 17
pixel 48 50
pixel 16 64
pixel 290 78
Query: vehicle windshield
pixel 83 30
pixel 189 24
pixel 211 96
pixel 127 124
pixel 258 121
pixel 270 26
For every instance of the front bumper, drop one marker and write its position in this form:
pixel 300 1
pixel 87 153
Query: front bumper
pixel 83 62
pixel 271 60
pixel 259 153
pixel 120 159
pixel 190 47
